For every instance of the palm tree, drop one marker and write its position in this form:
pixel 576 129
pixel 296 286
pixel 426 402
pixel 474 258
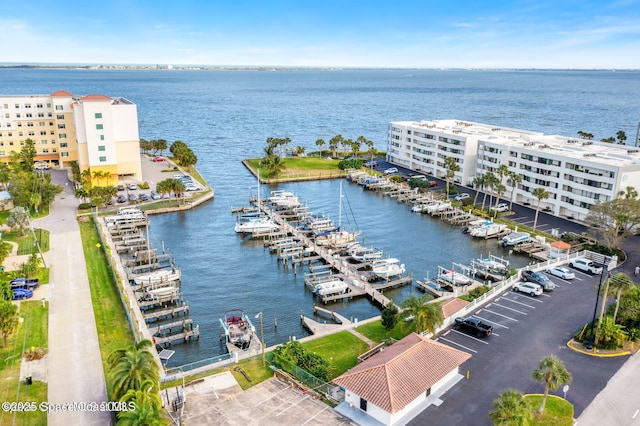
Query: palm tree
pixel 19 218
pixel 129 368
pixel 490 182
pixel 423 316
pixel 552 372
pixel 477 183
pixel 147 406
pixel 622 137
pixel 513 181
pixel 333 144
pixel 541 194
pixel 620 282
pixel 510 409
pixel 503 171
pixel 319 144
pixel 5 290
pixel 452 167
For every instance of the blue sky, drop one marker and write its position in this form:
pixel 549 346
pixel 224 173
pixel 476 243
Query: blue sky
pixel 347 33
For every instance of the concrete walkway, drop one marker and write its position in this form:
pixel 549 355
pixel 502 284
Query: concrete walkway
pixel 74 366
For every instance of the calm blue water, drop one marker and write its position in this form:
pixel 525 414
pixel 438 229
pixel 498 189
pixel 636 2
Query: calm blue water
pixel 225 116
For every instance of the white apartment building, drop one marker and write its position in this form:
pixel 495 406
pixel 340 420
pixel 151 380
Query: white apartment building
pixel 575 172
pixel 97 131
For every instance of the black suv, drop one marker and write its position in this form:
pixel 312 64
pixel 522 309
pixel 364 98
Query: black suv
pixel 538 278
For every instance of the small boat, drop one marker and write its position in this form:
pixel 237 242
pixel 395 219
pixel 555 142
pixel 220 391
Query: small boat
pixel 364 254
pixel 336 238
pixel 238 329
pixel 386 268
pixel 284 199
pixel 256 225
pixel 440 206
pixel 163 291
pixel 515 238
pixel 455 278
pixel 488 230
pixel 158 276
pixel 332 287
pixel 491 265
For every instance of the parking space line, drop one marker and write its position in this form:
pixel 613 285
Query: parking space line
pixel 470 336
pixel 492 322
pixel 458 344
pixel 316 415
pixel 519 303
pixel 501 315
pixel 511 309
pixel 293 405
pixel 533 299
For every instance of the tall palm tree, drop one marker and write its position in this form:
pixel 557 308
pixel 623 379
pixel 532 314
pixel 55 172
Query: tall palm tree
pixel 477 183
pixel 422 315
pixel 319 144
pixel 510 409
pixel 620 283
pixel 552 372
pixel 503 171
pixel 452 167
pixel 147 407
pixel 490 182
pixel 130 367
pixel 333 144
pixel 513 181
pixel 541 194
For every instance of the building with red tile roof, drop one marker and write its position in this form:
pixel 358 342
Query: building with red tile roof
pixel 392 384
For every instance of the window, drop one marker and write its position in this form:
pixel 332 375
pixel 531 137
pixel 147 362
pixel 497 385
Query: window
pixel 428 391
pixel 63 144
pixel 64 154
pixel 2 153
pixel 60 116
pixel 41 115
pixel 17 115
pixel 39 105
pixel 43 142
pixel 101 148
pixel 59 107
pixel 32 133
pixel 363 404
pixel 103 159
pixel 61 126
pixel 29 115
pixel 99 126
pixel 45 151
pixel 27 105
pixel 98 115
pixel 62 136
pixel 30 124
pixel 101 137
pixel 41 123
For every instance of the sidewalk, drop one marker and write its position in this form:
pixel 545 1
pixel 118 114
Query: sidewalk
pixel 74 365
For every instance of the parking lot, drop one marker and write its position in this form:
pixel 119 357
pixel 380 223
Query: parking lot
pixel 525 329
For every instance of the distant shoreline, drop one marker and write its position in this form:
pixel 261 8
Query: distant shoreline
pixel 165 67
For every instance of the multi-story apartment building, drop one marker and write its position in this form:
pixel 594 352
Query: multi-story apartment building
pixel 99 132
pixel 575 172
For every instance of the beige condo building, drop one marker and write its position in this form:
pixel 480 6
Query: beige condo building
pixel 97 131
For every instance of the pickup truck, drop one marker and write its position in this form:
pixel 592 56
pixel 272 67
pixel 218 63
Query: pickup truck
pixel 586 265
pixel 24 283
pixel 473 325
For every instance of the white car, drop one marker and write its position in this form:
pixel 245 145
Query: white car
pixel 561 272
pixel 502 207
pixel 461 197
pixel 391 170
pixel 532 289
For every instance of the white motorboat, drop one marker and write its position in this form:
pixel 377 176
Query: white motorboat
pixel 262 224
pixel 363 254
pixel 488 230
pixel 158 276
pixel 386 268
pixel 440 206
pixel 336 238
pixel 491 265
pixel 238 329
pixel 515 238
pixel 331 287
pixel 163 291
pixel 455 278
pixel 284 199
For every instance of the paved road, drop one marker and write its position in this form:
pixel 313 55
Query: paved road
pixel 74 366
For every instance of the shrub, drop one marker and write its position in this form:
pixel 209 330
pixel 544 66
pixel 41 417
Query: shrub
pixel 353 163
pixel 475 293
pixel 84 206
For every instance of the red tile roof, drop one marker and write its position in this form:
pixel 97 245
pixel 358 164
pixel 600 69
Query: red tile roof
pixel 451 306
pixel 62 93
pixel 400 373
pixel 95 98
pixel 561 245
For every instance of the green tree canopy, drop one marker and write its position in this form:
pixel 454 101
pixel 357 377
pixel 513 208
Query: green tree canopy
pixel 8 320
pixel 510 409
pixel 130 367
pixel 420 314
pixel 552 372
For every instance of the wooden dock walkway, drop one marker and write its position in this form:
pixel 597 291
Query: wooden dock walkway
pixel 183 336
pixel 168 312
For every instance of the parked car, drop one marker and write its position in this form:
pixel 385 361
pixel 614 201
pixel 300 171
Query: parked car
pixel 133 197
pixel 532 289
pixel 121 187
pixel 157 159
pixel 433 183
pixel 371 164
pixel 143 197
pixel 391 171
pixel 461 197
pixel 538 278
pixel 586 265
pixel 132 186
pixel 473 325
pixel 22 293
pixel 24 283
pixel 501 207
pixel 121 199
pixel 155 196
pixel 560 272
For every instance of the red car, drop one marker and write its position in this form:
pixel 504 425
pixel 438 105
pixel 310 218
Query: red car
pixel 157 159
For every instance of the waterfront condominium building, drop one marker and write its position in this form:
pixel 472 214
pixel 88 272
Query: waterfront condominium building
pixel 575 172
pixel 97 131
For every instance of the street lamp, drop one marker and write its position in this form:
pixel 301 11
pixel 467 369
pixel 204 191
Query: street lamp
pixel 592 336
pixel 261 338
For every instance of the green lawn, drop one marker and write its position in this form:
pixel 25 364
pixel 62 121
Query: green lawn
pixel 557 411
pixel 111 321
pixel 376 332
pixel 33 332
pixel 340 349
pixel 27 242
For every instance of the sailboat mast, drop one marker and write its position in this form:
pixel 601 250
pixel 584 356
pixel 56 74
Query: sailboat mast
pixel 340 208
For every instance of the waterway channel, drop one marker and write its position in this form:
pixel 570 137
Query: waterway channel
pixel 223 270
